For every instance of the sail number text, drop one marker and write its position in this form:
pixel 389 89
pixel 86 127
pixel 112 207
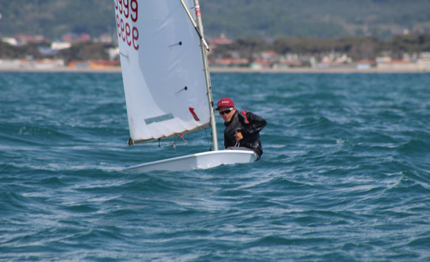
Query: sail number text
pixel 127 9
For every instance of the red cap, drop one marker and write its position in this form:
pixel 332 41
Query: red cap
pixel 225 102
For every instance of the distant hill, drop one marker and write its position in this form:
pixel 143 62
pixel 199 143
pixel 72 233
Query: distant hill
pixel 237 18
pixel 53 18
pixel 315 18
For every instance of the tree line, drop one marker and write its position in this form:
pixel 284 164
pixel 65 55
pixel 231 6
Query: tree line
pixel 77 52
pixel 358 48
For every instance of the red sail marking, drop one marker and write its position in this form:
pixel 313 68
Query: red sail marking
pixel 194 114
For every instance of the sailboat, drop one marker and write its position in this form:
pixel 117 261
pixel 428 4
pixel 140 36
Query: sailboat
pixel 166 80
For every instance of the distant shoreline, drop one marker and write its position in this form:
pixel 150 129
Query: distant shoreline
pixel 312 70
pixel 221 70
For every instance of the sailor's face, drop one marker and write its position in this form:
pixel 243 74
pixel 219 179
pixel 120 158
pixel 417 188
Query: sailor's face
pixel 227 113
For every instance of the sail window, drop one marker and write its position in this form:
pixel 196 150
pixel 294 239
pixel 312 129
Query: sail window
pixel 157 119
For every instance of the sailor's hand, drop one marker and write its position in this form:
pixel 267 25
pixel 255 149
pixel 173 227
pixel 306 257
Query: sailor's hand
pixel 238 136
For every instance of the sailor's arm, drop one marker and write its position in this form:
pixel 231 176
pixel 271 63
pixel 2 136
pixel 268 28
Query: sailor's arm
pixel 256 123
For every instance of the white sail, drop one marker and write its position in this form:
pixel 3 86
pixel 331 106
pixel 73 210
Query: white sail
pixel 166 79
pixel 162 69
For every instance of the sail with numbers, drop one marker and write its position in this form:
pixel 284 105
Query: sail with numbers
pixel 163 69
pixel 166 79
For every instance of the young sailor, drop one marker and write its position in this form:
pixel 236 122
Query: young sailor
pixel 241 128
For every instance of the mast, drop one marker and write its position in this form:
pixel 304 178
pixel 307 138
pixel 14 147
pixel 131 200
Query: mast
pixel 207 76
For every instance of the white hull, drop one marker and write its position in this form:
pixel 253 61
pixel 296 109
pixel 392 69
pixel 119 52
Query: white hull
pixel 198 161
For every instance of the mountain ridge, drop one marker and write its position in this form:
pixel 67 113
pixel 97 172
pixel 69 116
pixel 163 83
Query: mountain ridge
pixel 236 19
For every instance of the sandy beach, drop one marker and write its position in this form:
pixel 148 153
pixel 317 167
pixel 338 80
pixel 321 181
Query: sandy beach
pixel 221 70
pixel 314 70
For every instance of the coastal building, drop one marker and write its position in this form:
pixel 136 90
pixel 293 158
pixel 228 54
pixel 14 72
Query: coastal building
pixel 10 40
pixel 336 60
pixel 287 64
pixel 24 39
pixel 31 64
pixel 396 65
pixel 260 64
pixel 106 38
pixel 230 62
pixel 10 63
pixel 79 64
pixel 113 53
pixel 104 64
pixel 418 63
pixel 48 63
pixel 423 62
pixel 365 64
pixel 73 38
pixel 269 56
pixel 96 64
pixel 60 45
pixel 331 64
pixel 222 40
pixel 53 48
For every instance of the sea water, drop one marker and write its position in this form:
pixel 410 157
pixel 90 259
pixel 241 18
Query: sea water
pixel 345 174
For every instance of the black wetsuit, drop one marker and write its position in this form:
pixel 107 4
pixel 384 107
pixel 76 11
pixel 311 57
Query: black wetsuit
pixel 250 130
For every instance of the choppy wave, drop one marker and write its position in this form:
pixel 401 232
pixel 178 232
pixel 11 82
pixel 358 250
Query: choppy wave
pixel 344 174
